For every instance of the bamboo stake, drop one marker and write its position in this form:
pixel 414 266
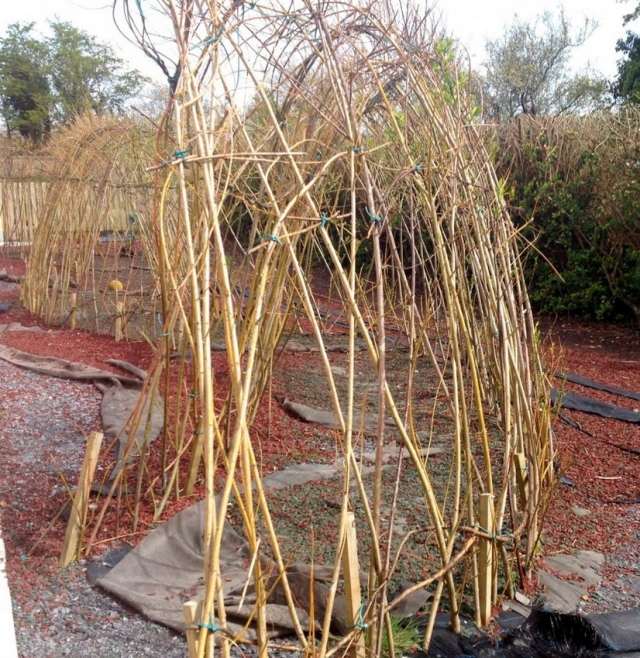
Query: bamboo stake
pixel 486 560
pixel 75 525
pixel 520 464
pixel 351 574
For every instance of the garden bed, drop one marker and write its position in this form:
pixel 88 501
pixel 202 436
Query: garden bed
pixel 41 446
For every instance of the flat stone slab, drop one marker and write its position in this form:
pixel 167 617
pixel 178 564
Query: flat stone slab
pixel 559 595
pixel 586 565
pixel 297 474
pixel 580 511
pixel 327 418
pixel 582 571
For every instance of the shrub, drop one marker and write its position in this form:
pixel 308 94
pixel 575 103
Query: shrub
pixel 573 185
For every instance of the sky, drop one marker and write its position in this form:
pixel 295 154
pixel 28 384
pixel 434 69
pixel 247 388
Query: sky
pixel 471 21
pixel 475 21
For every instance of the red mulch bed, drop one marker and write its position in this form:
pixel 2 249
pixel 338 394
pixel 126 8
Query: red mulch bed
pixel 80 346
pixel 606 479
pixel 278 439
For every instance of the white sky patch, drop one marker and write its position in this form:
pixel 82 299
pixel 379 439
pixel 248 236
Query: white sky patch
pixel 471 21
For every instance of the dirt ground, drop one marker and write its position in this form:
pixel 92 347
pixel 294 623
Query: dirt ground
pixel 43 422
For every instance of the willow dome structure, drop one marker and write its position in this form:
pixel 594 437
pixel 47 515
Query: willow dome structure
pixel 95 219
pixel 308 149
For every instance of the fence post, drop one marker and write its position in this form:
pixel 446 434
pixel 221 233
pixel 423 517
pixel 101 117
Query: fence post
pixel 119 321
pixel 7 627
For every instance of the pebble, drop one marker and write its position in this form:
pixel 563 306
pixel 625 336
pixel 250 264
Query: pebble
pixel 580 511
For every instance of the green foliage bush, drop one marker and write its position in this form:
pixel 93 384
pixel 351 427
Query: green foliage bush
pixel 573 186
pixel 48 81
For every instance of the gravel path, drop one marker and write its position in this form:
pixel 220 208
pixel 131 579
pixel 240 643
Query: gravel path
pixel 70 618
pixel 43 422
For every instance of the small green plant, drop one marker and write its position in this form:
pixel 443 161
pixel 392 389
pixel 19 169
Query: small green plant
pixel 406 637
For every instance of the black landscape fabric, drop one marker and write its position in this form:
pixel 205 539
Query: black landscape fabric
pixel 577 402
pixel 574 378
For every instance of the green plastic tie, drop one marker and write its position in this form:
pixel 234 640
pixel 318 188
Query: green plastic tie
pixel 211 627
pixel 209 41
pixel 324 219
pixel 181 155
pixel 491 535
pixel 360 623
pixel 375 219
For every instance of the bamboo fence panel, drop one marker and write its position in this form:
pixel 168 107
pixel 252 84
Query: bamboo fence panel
pixel 21 204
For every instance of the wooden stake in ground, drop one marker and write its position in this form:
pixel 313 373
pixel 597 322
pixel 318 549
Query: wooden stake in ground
pixel 75 526
pixel 190 612
pixel 351 574
pixel 520 464
pixel 73 302
pixel 117 286
pixel 485 561
pixel 119 321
